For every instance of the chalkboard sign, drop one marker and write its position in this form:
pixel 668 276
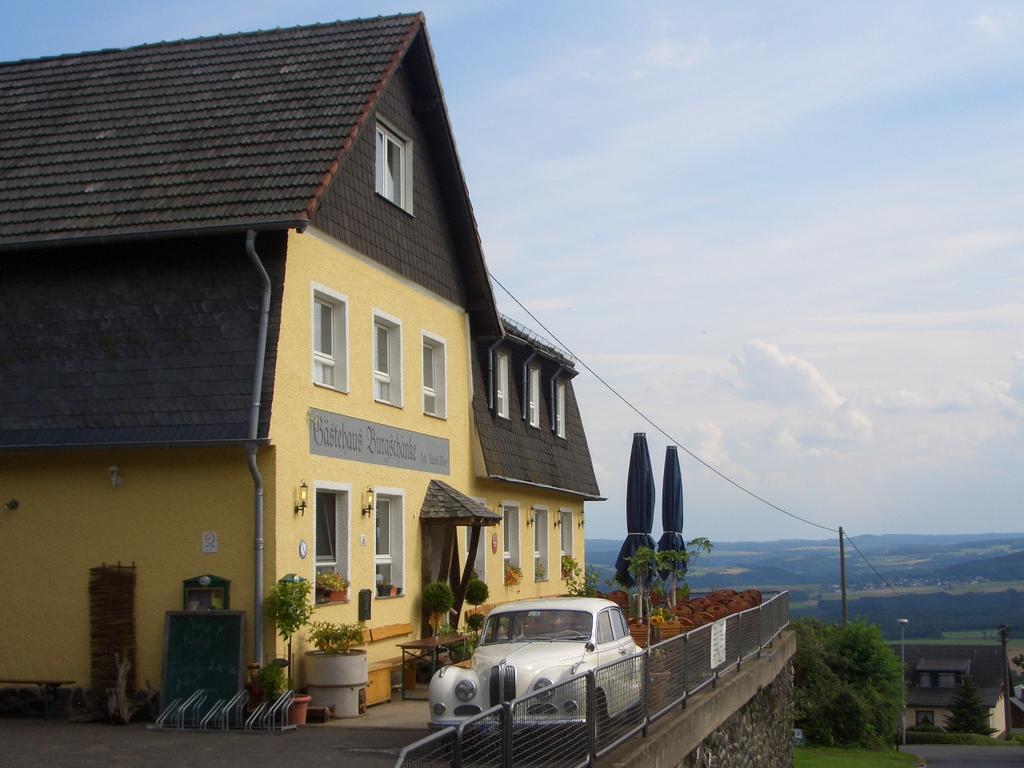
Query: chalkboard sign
pixel 203 649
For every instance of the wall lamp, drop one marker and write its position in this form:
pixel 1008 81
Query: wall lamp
pixel 11 505
pixel 301 497
pixel 558 521
pixel 529 517
pixel 580 523
pixel 369 502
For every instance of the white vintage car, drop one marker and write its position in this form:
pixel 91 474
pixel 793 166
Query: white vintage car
pixel 531 645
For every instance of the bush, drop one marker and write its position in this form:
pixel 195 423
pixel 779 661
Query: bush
pixel 271 680
pixel 973 739
pixel 328 637
pixel 848 684
pixel 438 597
pixel 477 592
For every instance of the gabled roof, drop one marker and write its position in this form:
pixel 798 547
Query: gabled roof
pixel 445 504
pixel 985 663
pixel 234 131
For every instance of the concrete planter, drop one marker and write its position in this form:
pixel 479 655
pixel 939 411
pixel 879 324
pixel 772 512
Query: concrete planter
pixel 335 680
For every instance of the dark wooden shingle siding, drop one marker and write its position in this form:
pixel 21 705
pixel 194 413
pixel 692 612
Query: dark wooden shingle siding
pixel 514 450
pixel 419 247
pixel 135 343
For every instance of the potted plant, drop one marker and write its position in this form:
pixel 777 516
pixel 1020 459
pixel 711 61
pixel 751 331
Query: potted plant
pixel 438 601
pixel 384 589
pixel 540 573
pixel 513 575
pixel 337 669
pixel 643 567
pixel 569 567
pixel 289 607
pixel 331 587
pixel 270 681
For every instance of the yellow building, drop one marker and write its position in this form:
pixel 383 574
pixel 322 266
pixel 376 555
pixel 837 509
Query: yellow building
pixel 248 332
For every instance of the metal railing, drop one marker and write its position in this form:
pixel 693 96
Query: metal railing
pixel 574 723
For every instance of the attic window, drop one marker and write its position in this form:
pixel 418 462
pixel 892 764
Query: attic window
pixel 394 167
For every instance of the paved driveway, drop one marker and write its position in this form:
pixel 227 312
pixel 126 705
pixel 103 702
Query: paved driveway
pixel 951 756
pixel 28 742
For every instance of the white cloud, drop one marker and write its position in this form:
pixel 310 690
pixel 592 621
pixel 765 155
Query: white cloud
pixel 993 24
pixel 764 372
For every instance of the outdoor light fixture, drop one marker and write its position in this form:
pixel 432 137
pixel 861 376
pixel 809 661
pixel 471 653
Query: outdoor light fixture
pixel 301 496
pixel 580 523
pixel 11 505
pixel 529 517
pixel 114 473
pixel 558 521
pixel 368 502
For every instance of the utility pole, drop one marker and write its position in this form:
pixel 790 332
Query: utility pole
pixel 903 688
pixel 842 571
pixel 1004 632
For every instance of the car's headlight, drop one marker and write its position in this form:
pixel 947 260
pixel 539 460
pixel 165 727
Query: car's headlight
pixel 438 709
pixel 542 683
pixel 465 689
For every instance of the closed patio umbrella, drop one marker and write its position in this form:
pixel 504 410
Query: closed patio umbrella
pixel 639 507
pixel 672 512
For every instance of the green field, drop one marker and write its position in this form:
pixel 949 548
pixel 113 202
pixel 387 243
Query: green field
pixel 829 757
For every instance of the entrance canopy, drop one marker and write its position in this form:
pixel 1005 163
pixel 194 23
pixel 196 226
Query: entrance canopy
pixel 445 505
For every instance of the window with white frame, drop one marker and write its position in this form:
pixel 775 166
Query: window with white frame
pixel 501 383
pixel 533 397
pixel 394 167
pixel 387 360
pixel 540 544
pixel 434 402
pixel 510 532
pixel 388 538
pixel 329 339
pixel 565 530
pixel 560 408
pixel 331 532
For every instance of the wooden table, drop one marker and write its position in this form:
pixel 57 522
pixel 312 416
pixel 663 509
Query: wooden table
pixel 428 647
pixel 47 687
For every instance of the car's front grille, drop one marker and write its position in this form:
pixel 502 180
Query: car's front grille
pixel 502 683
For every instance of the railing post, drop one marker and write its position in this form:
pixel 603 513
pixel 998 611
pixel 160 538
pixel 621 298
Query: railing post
pixel 645 690
pixel 686 688
pixel 592 716
pixel 506 734
pixel 760 621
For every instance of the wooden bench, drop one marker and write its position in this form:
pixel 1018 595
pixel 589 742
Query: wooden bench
pixel 47 687
pixel 378 689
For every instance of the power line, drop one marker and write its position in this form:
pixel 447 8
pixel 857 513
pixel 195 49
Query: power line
pixel 880 577
pixel 650 421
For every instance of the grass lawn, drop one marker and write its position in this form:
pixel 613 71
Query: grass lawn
pixel 833 757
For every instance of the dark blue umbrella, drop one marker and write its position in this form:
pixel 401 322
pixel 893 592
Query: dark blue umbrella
pixel 672 508
pixel 639 507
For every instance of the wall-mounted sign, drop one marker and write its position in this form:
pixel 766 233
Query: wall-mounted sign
pixel 209 542
pixel 717 643
pixel 345 437
pixel 206 593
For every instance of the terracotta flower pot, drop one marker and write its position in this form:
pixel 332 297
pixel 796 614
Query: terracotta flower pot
pixel 300 706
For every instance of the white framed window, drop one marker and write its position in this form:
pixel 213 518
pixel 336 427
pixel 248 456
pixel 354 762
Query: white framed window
pixel 560 408
pixel 394 166
pixel 331 527
pixel 565 531
pixel 501 383
pixel 540 544
pixel 387 359
pixel 510 532
pixel 388 539
pixel 330 338
pixel 434 373
pixel 533 397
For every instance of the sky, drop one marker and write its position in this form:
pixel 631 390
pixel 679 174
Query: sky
pixel 791 234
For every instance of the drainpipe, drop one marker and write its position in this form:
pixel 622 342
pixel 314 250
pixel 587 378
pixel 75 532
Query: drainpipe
pixel 251 447
pixel 490 373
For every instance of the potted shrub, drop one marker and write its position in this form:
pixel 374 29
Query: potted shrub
pixel 337 669
pixel 438 601
pixel 270 682
pixel 569 567
pixel 477 592
pixel 540 573
pixel 513 575
pixel 289 607
pixel 384 589
pixel 331 587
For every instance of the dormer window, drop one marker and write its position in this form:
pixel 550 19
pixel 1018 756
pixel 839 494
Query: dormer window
pixel 560 408
pixel 533 395
pixel 501 383
pixel 394 167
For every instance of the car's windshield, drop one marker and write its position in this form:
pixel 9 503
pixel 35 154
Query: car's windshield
pixel 528 626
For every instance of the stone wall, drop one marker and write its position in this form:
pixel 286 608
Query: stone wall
pixel 758 735
pixel 745 721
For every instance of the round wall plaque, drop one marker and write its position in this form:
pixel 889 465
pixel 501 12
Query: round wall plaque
pixel 494 543
pixel 303 549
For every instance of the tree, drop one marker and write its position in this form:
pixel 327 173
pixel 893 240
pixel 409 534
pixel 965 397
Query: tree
pixel 967 713
pixel 848 684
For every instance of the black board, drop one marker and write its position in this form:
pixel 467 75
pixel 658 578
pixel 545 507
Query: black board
pixel 203 649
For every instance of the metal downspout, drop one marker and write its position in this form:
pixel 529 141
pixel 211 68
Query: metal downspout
pixel 251 447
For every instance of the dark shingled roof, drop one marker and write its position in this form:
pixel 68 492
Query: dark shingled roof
pixel 444 503
pixel 233 131
pixel 985 662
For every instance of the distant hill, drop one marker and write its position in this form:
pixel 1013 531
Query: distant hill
pixel 1005 568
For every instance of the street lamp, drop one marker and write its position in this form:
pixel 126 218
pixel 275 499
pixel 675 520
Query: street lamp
pixel 903 689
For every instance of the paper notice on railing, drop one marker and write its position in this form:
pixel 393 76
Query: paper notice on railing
pixel 717 643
